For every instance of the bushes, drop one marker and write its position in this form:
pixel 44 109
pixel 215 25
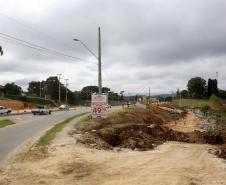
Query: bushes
pixel 30 99
pixel 216 102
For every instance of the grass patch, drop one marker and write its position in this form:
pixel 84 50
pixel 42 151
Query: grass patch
pixel 51 134
pixel 6 122
pixel 192 103
pixel 120 113
pixel 88 124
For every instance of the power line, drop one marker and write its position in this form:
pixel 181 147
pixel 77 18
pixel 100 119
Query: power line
pixel 35 30
pixel 37 47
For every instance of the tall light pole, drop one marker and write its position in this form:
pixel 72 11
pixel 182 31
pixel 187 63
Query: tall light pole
pixel 59 77
pixel 66 84
pixel 99 63
pixel 98 58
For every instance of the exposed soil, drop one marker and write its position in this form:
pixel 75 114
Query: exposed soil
pixel 170 163
pixel 141 130
pixel 13 104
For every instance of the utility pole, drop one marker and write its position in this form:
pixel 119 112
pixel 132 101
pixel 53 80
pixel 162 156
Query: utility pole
pixel 66 84
pixel 40 93
pixel 217 78
pixel 1 51
pixel 97 57
pixel 59 77
pixel 99 62
pixel 149 95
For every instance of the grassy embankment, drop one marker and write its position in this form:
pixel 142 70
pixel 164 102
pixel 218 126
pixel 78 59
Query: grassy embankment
pixel 32 99
pixel 51 133
pixel 196 103
pixel 214 102
pixel 6 122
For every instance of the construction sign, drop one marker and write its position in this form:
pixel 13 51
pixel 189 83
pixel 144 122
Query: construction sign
pixel 98 105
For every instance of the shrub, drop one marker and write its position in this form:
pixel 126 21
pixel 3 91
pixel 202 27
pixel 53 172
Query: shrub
pixel 216 103
pixel 31 99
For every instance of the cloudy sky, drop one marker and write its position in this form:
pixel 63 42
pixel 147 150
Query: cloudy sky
pixel 159 44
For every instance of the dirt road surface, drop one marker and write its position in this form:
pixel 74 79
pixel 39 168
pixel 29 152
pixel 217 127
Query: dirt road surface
pixel 170 163
pixel 188 124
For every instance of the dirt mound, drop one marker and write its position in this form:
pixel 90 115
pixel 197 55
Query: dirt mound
pixel 141 130
pixel 140 137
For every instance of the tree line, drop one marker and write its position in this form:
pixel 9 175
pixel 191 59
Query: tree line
pixel 198 88
pixel 49 89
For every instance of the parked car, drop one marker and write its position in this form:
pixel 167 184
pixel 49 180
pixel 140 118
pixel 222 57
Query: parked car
pixel 64 107
pixel 4 110
pixel 41 111
pixel 108 106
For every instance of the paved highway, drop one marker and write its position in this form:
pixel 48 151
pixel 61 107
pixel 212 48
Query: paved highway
pixel 27 126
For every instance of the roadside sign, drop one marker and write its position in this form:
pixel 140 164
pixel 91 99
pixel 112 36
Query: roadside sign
pixel 98 105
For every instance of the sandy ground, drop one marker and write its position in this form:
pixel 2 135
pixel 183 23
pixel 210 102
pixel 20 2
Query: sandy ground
pixel 73 164
pixel 170 163
pixel 188 124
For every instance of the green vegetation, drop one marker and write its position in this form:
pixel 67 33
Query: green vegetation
pixel 6 122
pixel 214 104
pixel 120 113
pixel 51 134
pixel 32 99
pixel 192 102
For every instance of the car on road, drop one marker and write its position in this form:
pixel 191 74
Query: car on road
pixel 64 107
pixel 108 106
pixel 5 110
pixel 41 111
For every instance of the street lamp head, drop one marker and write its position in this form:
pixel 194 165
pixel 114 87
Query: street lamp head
pixel 76 40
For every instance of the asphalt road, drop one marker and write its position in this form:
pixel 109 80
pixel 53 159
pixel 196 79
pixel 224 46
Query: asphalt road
pixel 27 126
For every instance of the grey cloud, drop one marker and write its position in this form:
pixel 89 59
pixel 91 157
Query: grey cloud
pixel 163 43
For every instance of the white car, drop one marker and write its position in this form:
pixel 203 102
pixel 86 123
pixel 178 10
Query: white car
pixel 108 106
pixel 41 111
pixel 4 110
pixel 64 107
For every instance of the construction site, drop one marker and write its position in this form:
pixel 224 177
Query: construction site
pixel 162 145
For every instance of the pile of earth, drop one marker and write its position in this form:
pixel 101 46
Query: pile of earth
pixel 140 130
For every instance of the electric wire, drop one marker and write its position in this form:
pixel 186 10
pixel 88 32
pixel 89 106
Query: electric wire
pixel 35 30
pixel 38 47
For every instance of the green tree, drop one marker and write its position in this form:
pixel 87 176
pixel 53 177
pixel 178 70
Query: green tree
pixel 12 89
pixel 34 88
pixel 222 94
pixel 51 87
pixel 197 87
pixel 113 96
pixel 184 94
pixel 88 90
pixel 122 96
pixel 212 87
pixel 178 93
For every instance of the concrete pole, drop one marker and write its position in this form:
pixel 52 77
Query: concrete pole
pixel 59 77
pixel 149 95
pixel 40 89
pixel 99 63
pixel 66 84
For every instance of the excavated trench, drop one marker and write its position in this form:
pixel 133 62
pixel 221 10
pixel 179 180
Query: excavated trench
pixel 141 130
pixel 146 137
